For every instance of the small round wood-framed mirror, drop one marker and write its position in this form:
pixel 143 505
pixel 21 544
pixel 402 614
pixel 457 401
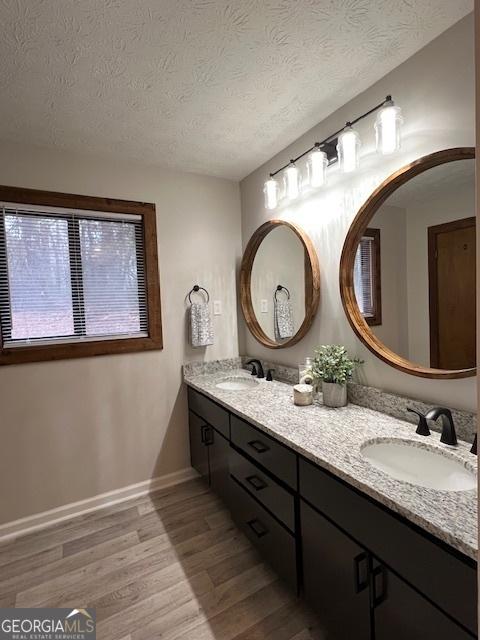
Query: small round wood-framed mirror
pixel 279 284
pixel 407 270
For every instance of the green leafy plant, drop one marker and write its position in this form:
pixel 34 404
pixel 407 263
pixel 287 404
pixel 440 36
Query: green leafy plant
pixel 332 363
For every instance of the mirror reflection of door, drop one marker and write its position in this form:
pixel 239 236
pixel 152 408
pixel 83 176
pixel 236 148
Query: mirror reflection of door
pixel 451 263
pixel 418 294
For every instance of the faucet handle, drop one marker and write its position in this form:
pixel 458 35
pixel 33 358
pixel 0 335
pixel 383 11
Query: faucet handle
pixel 254 370
pixel 422 428
pixel 269 377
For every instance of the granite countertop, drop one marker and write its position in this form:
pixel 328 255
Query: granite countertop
pixel 332 438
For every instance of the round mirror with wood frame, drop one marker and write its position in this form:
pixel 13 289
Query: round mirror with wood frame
pixel 306 284
pixel 362 229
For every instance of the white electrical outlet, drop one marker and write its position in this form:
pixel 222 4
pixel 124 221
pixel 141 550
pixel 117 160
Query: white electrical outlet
pixel 264 306
pixel 217 307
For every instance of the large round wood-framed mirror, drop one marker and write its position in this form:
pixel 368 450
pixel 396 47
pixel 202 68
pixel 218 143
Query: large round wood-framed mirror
pixel 279 284
pixel 407 270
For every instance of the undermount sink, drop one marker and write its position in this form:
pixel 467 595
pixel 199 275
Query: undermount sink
pixel 420 464
pixel 237 383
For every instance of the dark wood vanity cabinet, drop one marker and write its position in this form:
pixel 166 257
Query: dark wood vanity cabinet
pixel 276 544
pixel 266 451
pixel 356 596
pixel 198 429
pixel 420 589
pixel 209 448
pixel 369 573
pixel 218 453
pixel 335 578
pixel 209 454
pixel 400 612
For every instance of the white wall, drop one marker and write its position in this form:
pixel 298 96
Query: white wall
pixel 435 89
pixel 393 254
pixel 76 428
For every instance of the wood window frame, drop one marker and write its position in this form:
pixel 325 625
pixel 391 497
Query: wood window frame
pixel 154 340
pixel 375 320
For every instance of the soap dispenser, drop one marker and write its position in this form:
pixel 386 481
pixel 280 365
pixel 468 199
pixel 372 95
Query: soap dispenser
pixel 305 372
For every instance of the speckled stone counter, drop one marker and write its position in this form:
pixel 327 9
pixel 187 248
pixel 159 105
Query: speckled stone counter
pixel 332 438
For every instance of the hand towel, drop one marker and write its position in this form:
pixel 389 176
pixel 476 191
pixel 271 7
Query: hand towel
pixel 283 319
pixel 201 330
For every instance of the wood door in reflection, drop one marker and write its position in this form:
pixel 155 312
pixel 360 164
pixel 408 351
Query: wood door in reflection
pixel 452 288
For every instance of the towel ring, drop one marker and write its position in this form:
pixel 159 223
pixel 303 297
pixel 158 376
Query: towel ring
pixel 282 288
pixel 196 289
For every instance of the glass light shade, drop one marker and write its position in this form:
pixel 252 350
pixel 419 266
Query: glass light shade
pixel 348 149
pixel 292 182
pixel 317 168
pixel 270 191
pixel 387 128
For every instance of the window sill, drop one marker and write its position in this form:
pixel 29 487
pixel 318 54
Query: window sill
pixel 43 353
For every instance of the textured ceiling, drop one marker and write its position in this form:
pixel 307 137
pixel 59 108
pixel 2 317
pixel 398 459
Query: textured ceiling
pixel 211 86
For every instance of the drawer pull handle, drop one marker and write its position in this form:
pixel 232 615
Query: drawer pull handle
pixel 257 527
pixel 258 446
pixel 257 483
pixel 378 598
pixel 359 584
pixel 206 434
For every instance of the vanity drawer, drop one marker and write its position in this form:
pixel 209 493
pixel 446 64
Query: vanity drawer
pixel 209 411
pixel 441 575
pixel 277 499
pixel 281 461
pixel 274 542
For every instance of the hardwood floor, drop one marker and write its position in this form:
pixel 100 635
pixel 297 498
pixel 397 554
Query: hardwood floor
pixel 171 565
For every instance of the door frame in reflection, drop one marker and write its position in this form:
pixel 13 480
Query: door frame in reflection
pixel 434 292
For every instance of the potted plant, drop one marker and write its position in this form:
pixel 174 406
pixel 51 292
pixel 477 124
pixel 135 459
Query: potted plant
pixel 333 367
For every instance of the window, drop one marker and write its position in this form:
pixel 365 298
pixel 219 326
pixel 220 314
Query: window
pixel 76 280
pixel 367 277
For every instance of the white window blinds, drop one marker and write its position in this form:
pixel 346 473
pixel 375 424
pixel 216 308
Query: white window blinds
pixel 70 276
pixel 364 275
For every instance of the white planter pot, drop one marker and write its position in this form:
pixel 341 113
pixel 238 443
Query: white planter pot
pixel 334 394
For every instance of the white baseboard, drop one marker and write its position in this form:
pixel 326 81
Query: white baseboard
pixel 45 519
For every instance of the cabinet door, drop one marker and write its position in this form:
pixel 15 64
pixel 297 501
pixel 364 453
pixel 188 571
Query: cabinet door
pixel 198 446
pixel 218 451
pixel 400 612
pixel 335 578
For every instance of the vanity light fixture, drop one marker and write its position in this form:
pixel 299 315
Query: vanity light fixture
pixel 387 127
pixel 270 191
pixel 292 181
pixel 317 162
pixel 343 145
pixel 348 148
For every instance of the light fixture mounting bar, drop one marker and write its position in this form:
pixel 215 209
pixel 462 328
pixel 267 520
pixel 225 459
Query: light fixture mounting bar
pixel 327 142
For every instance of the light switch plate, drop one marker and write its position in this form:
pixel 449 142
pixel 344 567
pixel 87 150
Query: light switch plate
pixel 217 307
pixel 264 306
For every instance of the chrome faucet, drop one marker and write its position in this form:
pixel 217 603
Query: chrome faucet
pixel 448 429
pixel 258 367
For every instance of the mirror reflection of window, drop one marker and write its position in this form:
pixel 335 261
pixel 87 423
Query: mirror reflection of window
pixel 367 278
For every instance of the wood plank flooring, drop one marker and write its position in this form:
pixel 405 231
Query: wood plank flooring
pixel 171 565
